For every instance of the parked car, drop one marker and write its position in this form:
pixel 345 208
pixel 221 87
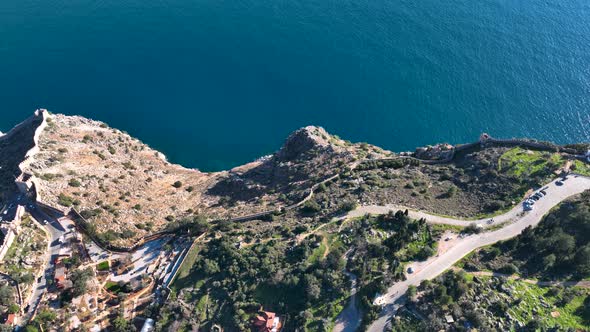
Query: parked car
pixel 559 183
pixel 410 270
pixel 543 192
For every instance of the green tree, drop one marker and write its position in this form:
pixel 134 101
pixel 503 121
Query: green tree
pixel 79 280
pixel 549 261
pixel 6 295
pixel 312 288
pixel 564 244
pixel 13 308
pixel 120 324
pixel 582 260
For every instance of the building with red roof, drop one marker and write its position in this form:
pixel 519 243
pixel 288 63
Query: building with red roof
pixel 267 322
pixel 10 320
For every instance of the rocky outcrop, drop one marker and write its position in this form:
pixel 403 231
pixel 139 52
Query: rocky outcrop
pixel 436 152
pixel 304 140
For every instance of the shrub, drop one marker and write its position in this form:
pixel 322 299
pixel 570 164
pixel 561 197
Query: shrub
pixel 348 206
pixel 472 229
pixel 424 253
pixel 177 184
pixel 311 206
pixel 508 269
pixel 65 200
pixel 452 191
pixel 494 205
pixel 74 183
pixel 87 214
pixel 127 234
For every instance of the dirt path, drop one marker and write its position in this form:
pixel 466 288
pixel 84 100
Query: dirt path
pixel 327 244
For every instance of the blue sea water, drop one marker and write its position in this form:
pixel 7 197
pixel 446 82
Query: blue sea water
pixel 216 83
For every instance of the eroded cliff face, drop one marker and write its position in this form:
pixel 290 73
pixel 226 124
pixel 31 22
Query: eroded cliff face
pixel 14 147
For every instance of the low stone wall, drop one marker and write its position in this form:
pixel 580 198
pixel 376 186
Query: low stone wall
pixel 545 146
pixel 8 239
pixel 180 260
pixel 12 231
pixel 35 149
pixel 462 147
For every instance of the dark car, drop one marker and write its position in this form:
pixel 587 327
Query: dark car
pixel 543 192
pixel 559 183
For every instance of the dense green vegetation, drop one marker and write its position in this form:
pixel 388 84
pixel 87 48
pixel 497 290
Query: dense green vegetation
pixel 580 167
pixel 276 275
pixel 226 281
pixel 524 163
pixel 380 247
pixel 559 247
pixel 492 304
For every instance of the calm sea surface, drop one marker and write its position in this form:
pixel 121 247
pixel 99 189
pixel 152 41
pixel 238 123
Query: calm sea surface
pixel 216 83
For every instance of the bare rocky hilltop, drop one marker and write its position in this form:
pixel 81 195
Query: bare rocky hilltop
pixel 126 190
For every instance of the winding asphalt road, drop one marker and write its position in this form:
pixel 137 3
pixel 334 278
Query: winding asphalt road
pixel 512 215
pixel 55 231
pixel 516 221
